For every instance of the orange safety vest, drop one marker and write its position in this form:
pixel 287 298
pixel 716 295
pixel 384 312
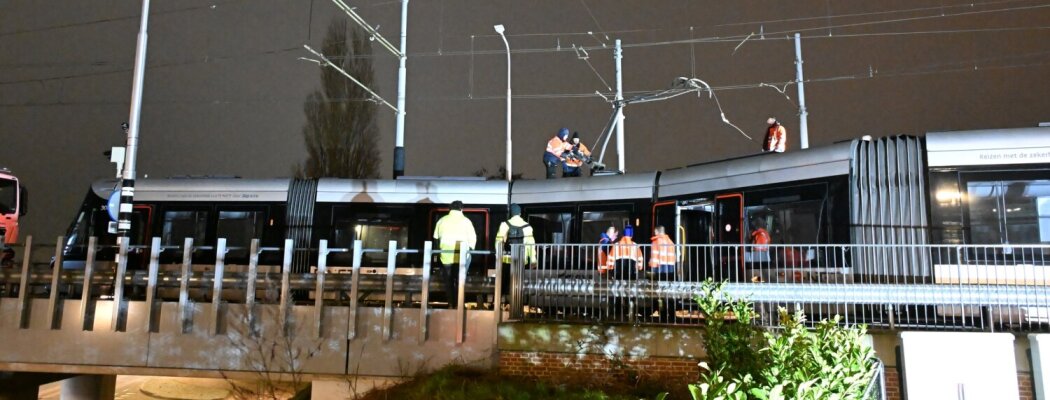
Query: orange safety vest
pixel 663 252
pixel 760 236
pixel 556 146
pixel 576 162
pixel 776 138
pixel 624 249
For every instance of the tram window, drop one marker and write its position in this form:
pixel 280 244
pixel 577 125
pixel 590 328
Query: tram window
pixel 1009 211
pixel 239 228
pixel 179 225
pixel 375 231
pixel 597 222
pixel 790 215
pixel 554 228
pixel 946 221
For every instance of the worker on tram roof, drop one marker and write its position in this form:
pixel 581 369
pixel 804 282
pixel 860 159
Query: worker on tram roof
pixel 575 157
pixel 776 137
pixel 556 147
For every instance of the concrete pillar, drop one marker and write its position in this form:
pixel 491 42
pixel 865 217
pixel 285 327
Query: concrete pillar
pixel 1040 363
pixel 89 387
pixel 320 390
pixel 25 385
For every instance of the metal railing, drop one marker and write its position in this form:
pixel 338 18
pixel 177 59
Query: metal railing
pixel 1001 287
pixel 136 273
pixel 886 286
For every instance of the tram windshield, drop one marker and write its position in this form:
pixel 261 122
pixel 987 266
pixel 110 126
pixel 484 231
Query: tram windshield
pixel 8 196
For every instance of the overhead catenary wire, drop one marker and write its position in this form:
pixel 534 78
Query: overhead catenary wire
pixel 966 67
pixel 348 76
pixel 369 29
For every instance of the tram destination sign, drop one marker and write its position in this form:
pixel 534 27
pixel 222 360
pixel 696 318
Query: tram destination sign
pixel 1039 155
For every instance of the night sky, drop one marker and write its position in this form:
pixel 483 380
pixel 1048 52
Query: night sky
pixel 224 88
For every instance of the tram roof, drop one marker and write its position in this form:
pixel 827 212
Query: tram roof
pixel 758 170
pixel 582 189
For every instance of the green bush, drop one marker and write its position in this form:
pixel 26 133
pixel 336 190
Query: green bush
pixel 828 362
pixel 463 383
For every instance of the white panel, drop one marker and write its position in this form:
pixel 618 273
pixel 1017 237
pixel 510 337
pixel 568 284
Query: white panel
pixel 959 365
pixel 989 147
pixel 1040 363
pixel 204 189
pixel 411 191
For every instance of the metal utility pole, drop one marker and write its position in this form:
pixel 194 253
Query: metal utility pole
pixel 803 125
pixel 127 182
pixel 618 54
pixel 402 72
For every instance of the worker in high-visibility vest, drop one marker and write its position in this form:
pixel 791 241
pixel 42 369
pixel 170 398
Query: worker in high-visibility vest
pixel 664 256
pixel 776 137
pixel 556 147
pixel 662 260
pixel 625 259
pixel 760 240
pixel 515 231
pixel 454 231
pixel 575 157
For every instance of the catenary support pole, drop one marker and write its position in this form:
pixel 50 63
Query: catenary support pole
pixel 127 182
pixel 803 124
pixel 402 72
pixel 620 146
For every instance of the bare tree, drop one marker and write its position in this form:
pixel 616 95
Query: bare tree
pixel 341 132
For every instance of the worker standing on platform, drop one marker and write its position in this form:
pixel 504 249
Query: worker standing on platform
pixel 454 231
pixel 604 247
pixel 776 137
pixel 575 157
pixel 662 260
pixel 625 259
pixel 556 147
pixel 514 231
pixel 663 257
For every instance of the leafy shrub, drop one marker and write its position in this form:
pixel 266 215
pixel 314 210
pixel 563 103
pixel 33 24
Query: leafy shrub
pixel 829 362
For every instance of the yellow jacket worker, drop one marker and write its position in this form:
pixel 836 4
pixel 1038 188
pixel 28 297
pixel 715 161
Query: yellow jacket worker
pixel 452 229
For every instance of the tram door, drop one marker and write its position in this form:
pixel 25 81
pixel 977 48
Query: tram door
pixel 694 227
pixel 729 230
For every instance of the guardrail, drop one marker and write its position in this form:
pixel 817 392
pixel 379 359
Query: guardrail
pixel 886 286
pixel 31 273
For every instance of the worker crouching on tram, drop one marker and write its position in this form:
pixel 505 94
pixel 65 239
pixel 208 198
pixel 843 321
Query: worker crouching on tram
pixel 556 147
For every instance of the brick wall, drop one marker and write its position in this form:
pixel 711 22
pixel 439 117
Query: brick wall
pixel 566 366
pixel 893 383
pixel 1024 382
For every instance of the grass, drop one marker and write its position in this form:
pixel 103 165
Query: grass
pixel 461 383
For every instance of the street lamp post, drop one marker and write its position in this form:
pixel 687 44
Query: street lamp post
pixel 499 30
